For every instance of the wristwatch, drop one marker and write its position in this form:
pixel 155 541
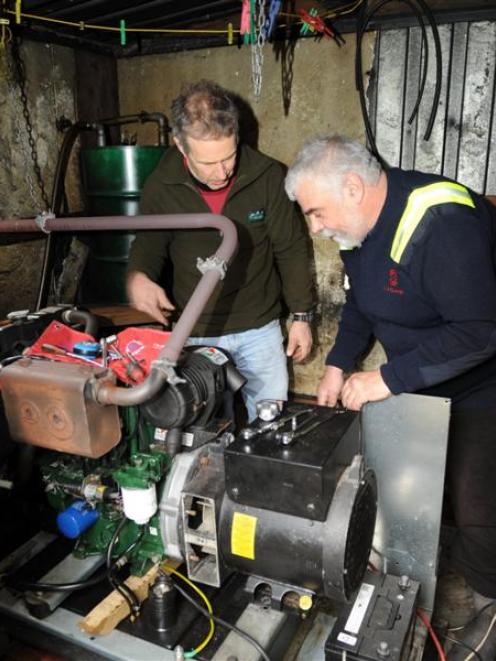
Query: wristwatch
pixel 304 316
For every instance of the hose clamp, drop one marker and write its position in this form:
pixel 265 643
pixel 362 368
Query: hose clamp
pixel 166 366
pixel 41 220
pixel 213 263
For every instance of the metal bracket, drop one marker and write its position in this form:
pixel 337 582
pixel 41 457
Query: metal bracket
pixel 42 218
pixel 213 263
pixel 167 367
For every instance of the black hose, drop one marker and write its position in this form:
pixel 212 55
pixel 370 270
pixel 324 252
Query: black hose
pixel 129 548
pixel 24 586
pixel 439 66
pixel 73 316
pixel 359 70
pixel 365 19
pixel 117 583
pixel 223 623
pixel 173 441
pixel 425 48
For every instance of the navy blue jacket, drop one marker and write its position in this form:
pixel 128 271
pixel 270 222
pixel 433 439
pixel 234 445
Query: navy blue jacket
pixel 435 311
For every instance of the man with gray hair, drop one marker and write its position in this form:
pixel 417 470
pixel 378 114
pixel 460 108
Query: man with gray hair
pixel 418 251
pixel 207 170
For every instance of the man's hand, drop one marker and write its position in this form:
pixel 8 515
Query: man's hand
pixel 146 296
pixel 299 341
pixel 364 387
pixel 330 387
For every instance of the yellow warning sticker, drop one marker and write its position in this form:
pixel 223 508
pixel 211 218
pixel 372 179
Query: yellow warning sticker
pixel 243 535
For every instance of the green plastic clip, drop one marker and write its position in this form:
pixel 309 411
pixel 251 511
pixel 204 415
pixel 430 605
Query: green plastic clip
pixel 305 28
pixel 123 32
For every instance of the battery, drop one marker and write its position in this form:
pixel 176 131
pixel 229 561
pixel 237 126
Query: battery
pixel 379 623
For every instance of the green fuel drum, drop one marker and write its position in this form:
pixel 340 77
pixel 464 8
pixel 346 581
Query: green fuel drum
pixel 113 178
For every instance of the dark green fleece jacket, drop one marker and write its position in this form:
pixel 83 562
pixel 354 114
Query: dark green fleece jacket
pixel 273 255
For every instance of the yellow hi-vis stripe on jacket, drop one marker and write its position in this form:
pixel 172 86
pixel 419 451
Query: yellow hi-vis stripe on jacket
pixel 419 201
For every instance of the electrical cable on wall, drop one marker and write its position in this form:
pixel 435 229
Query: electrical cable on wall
pixel 421 12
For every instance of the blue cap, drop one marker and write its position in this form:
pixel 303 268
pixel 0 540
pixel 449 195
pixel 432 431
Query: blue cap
pixel 88 349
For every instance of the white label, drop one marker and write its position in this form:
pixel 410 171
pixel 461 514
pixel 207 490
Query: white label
pixel 213 354
pixel 153 531
pixel 160 434
pixel 188 439
pixel 346 283
pixel 346 639
pixel 355 618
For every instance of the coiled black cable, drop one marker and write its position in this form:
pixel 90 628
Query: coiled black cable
pixel 424 11
pixel 359 70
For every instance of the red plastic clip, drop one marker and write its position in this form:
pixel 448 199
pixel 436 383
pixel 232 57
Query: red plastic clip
pixel 317 23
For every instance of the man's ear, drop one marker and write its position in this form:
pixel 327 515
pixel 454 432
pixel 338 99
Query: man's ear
pixel 179 145
pixel 353 188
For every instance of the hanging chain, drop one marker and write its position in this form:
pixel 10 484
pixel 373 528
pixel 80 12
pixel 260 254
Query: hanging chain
pixel 20 134
pixel 20 78
pixel 257 50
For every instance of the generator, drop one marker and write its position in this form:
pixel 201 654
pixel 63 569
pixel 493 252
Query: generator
pixel 131 486
pixel 285 507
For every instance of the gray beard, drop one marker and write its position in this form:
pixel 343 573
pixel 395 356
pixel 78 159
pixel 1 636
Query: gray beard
pixel 344 242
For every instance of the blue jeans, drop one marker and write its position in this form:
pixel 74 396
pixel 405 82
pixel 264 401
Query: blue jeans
pixel 259 355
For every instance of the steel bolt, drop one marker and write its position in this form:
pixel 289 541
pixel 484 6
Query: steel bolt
pixel 383 649
pixel 311 508
pixel 235 492
pixel 404 583
pixel 265 601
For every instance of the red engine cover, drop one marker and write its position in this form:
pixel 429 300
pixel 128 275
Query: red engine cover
pixel 129 356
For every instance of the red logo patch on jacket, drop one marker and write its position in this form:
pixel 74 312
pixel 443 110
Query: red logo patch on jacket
pixel 393 283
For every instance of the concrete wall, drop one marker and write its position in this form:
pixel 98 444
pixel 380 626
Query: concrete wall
pixel 50 91
pixel 323 99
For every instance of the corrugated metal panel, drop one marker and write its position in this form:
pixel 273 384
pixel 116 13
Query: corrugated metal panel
pixel 478 105
pixel 463 141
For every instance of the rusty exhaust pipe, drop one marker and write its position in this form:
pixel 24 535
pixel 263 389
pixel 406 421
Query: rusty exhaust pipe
pixel 213 270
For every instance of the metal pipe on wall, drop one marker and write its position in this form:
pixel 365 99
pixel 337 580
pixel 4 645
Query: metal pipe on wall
pixel 212 272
